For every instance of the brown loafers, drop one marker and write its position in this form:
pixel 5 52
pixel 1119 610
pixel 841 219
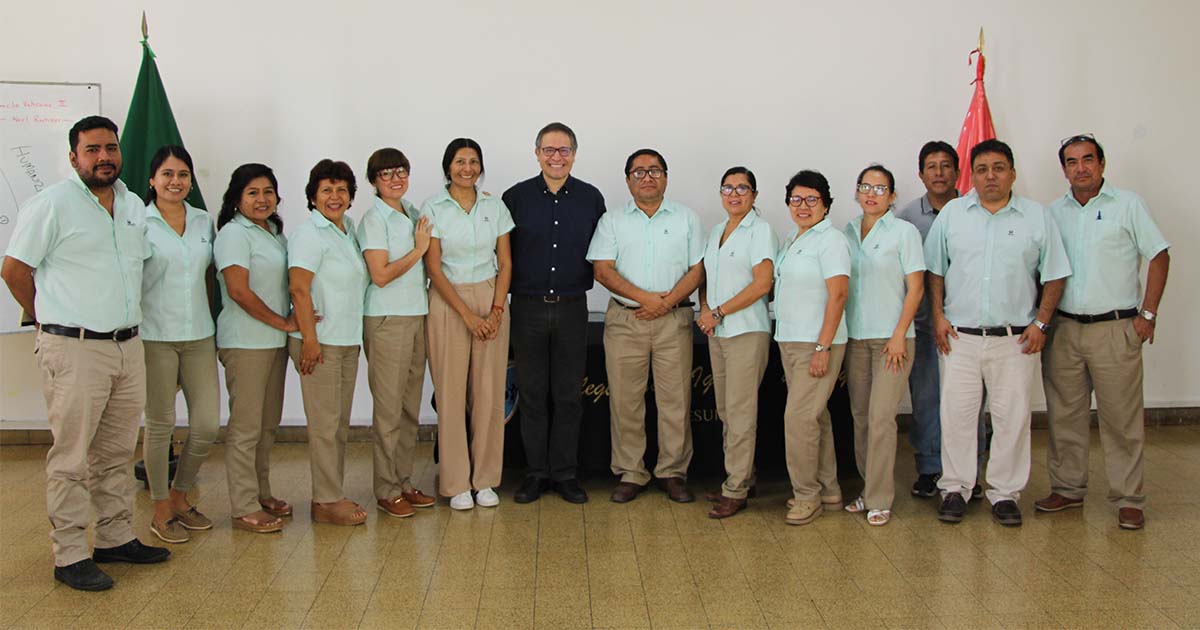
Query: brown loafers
pixel 727 507
pixel 676 489
pixel 1056 503
pixel 1130 518
pixel 626 492
pixel 398 507
pixel 418 499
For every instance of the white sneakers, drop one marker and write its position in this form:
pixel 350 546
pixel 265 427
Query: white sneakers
pixel 487 498
pixel 462 501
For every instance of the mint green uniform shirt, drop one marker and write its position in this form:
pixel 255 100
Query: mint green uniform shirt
pixel 653 253
pixel 992 262
pixel 878 267
pixel 263 254
pixel 468 239
pixel 803 265
pixel 87 264
pixel 174 290
pixel 339 283
pixel 729 269
pixel 383 227
pixel 1105 242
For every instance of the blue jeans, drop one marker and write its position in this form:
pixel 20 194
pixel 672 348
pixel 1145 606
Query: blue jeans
pixel 924 385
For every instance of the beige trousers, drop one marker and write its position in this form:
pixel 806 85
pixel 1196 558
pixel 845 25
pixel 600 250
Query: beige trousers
pixel 95 391
pixel 170 366
pixel 738 364
pixel 327 394
pixel 468 378
pixel 807 427
pixel 395 349
pixel 1105 357
pixel 632 348
pixel 875 393
pixel 254 379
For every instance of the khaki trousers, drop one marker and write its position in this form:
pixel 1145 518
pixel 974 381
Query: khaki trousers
pixel 875 394
pixel 395 349
pixel 95 391
pixel 254 379
pixel 807 427
pixel 1105 357
pixel 171 365
pixel 468 378
pixel 632 348
pixel 738 364
pixel 327 394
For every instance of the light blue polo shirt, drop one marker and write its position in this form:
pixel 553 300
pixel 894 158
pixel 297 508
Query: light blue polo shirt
pixel 992 262
pixel 653 253
pixel 383 227
pixel 87 264
pixel 340 277
pixel 729 269
pixel 468 239
pixel 174 287
pixel 263 254
pixel 891 251
pixel 1105 242
pixel 803 265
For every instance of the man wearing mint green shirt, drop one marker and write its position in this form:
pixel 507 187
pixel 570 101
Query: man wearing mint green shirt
pixel 987 252
pixel 650 255
pixel 1096 342
pixel 85 238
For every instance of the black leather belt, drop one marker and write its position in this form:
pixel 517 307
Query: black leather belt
pixel 124 334
pixel 999 331
pixel 1102 317
pixel 683 304
pixel 550 299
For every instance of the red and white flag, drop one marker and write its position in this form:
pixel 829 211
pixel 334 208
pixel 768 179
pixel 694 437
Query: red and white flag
pixel 977 126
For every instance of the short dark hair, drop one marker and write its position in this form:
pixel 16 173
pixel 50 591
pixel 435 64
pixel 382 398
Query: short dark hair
pixel 935 146
pixel 87 124
pixel 879 168
pixel 992 145
pixel 156 162
pixel 640 152
pixel 1062 151
pixel 384 159
pixel 559 127
pixel 453 148
pixel 333 171
pixel 741 170
pixel 241 178
pixel 810 179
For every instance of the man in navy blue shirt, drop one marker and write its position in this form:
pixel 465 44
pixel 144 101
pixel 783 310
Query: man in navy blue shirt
pixel 555 215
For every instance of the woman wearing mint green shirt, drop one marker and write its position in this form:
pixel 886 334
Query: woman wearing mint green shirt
pixel 393 241
pixel 811 284
pixel 739 268
pixel 470 267
pixel 251 256
pixel 327 275
pixel 177 329
pixel 886 285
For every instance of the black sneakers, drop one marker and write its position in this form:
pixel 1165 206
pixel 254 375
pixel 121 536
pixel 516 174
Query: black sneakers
pixel 83 576
pixel 1007 513
pixel 134 552
pixel 926 485
pixel 953 508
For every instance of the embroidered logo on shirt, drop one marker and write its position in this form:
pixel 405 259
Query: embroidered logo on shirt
pixel 665 231
pixel 876 246
pixel 130 223
pixel 1010 232
pixel 731 253
pixel 487 220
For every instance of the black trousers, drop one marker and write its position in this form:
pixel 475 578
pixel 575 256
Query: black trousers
pixel 549 341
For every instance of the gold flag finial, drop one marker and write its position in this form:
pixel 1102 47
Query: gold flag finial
pixel 146 33
pixel 980 35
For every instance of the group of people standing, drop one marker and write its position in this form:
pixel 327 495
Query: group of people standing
pixel 124 292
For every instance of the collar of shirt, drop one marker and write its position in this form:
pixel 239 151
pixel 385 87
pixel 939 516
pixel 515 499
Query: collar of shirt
pixel 564 190
pixel 885 221
pixel 191 213
pixel 319 221
pixel 1015 203
pixel 387 211
pixel 119 189
pixel 443 197
pixel 666 205
pixel 821 226
pixel 245 222
pixel 1105 191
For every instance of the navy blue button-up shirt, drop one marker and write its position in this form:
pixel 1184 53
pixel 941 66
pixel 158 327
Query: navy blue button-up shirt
pixel 550 242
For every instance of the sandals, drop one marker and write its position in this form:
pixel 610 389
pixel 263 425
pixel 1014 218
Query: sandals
pixel 856 506
pixel 338 513
pixel 272 524
pixel 276 507
pixel 878 518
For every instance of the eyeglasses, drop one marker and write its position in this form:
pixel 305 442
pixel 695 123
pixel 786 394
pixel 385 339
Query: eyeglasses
pixel 810 201
pixel 654 173
pixel 1083 137
pixel 562 151
pixel 741 189
pixel 879 189
pixel 393 173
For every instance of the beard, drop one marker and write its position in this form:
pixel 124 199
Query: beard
pixel 93 180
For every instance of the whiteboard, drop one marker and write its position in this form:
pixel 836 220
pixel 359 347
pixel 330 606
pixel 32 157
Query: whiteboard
pixel 34 121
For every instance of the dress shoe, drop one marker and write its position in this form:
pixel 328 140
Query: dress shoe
pixel 1056 503
pixel 1130 518
pixel 570 490
pixel 133 551
pixel 676 489
pixel 626 492
pixel 1007 513
pixel 418 499
pixel 926 485
pixel 398 507
pixel 83 576
pixel 714 496
pixel 531 489
pixel 727 507
pixel 953 508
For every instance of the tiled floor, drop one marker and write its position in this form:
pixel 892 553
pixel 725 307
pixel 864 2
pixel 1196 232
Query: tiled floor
pixel 649 564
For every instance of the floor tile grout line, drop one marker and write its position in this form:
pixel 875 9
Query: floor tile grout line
pixel 441 547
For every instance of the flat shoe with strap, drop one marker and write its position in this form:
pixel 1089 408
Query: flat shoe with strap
pixel 276 507
pixel 274 524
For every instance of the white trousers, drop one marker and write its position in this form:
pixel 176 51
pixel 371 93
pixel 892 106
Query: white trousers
pixel 1009 375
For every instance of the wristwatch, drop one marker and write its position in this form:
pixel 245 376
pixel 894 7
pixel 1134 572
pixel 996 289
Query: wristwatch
pixel 821 348
pixel 717 314
pixel 1042 326
pixel 1147 315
